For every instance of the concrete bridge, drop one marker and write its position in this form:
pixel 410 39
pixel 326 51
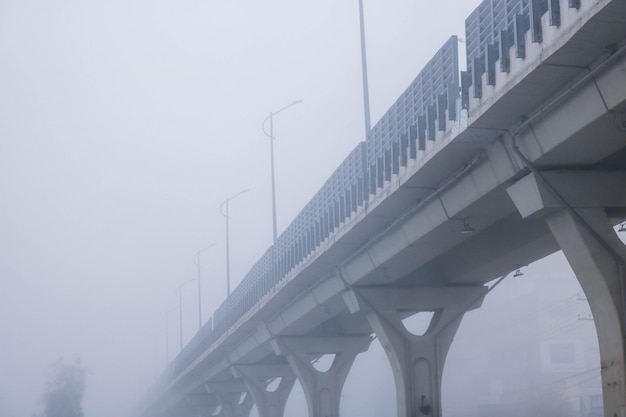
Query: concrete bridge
pixel 464 180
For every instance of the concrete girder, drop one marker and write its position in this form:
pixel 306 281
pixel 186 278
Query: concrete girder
pixel 417 361
pixel 516 242
pixel 596 257
pixel 319 295
pixel 268 403
pixel 321 389
pixel 580 189
pixel 582 129
pixel 456 298
pixel 421 235
pixel 232 396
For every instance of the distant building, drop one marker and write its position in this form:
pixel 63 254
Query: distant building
pixel 531 350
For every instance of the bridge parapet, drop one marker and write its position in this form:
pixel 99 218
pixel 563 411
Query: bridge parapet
pixel 521 52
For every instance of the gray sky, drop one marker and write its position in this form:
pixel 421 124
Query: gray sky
pixel 125 124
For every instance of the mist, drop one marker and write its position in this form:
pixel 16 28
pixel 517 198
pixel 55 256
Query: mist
pixel 124 125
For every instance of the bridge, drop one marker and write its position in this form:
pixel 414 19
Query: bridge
pixel 468 176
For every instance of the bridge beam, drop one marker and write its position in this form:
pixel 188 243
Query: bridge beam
pixel 417 361
pixel 581 189
pixel 321 389
pixel 232 396
pixel 257 378
pixel 596 255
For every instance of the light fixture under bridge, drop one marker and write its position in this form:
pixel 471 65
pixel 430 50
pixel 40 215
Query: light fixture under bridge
pixel 466 227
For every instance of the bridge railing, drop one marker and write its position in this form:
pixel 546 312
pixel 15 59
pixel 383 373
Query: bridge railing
pixel 498 27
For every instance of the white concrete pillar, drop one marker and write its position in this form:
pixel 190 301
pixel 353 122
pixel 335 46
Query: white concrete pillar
pixel 321 389
pixel 595 267
pixel 598 275
pixel 232 396
pixel 417 361
pixel 257 378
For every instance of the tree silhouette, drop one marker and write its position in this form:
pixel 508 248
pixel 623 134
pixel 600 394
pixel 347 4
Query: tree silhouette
pixel 64 388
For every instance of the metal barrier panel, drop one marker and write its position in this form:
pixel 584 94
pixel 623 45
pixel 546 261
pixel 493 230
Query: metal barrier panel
pixel 345 190
pixel 437 81
pixel 490 30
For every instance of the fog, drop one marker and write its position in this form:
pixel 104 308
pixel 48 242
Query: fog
pixel 123 127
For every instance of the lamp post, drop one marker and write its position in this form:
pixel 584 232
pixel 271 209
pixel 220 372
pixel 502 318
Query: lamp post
pixel 271 136
pixel 366 96
pixel 196 260
pixel 225 214
pixel 180 309
pixel 167 341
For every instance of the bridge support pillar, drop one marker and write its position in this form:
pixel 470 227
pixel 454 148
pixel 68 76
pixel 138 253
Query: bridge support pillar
pixel 232 396
pixel 321 389
pixel 596 256
pixel 257 379
pixel 600 279
pixel 417 361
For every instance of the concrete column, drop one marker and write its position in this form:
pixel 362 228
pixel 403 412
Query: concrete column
pixel 322 389
pixel 232 396
pixel 417 361
pixel 257 379
pixel 599 277
pixel 596 268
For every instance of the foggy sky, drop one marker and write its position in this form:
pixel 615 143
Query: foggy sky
pixel 125 124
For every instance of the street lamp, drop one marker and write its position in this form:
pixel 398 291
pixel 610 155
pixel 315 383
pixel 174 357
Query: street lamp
pixel 271 136
pixel 366 96
pixel 180 309
pixel 167 341
pixel 225 214
pixel 196 260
